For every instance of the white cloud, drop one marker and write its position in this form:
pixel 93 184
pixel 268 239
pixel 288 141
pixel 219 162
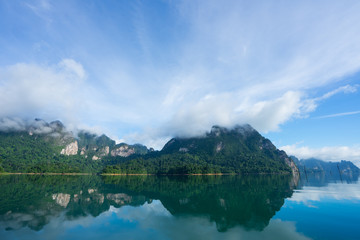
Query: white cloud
pixel 32 89
pixel 50 92
pixel 194 118
pixel 329 153
pixel 267 84
pixel 229 109
pixel 268 115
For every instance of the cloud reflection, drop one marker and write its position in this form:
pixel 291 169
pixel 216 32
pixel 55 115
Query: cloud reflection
pixel 331 191
pixel 149 221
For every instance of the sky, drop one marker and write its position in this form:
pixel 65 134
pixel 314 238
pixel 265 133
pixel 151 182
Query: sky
pixel 146 71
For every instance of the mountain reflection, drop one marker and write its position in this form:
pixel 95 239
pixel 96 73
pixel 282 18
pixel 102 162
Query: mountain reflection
pixel 229 201
pixel 322 179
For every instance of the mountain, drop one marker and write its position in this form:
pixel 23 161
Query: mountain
pixel 238 150
pixel 313 165
pixel 39 146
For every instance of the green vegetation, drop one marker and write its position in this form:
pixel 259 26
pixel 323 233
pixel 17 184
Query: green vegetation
pixel 176 163
pixel 241 150
pixel 185 163
pixel 21 152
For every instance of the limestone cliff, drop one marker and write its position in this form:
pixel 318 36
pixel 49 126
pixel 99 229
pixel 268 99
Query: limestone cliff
pixel 70 149
pixel 123 151
pixel 290 163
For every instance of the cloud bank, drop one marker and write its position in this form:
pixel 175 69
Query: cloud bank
pixel 31 90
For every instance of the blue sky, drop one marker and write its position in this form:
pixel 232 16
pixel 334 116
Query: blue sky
pixel 144 71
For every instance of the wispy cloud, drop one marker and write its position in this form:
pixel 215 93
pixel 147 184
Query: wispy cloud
pixel 343 89
pixel 41 8
pixel 310 104
pixel 338 115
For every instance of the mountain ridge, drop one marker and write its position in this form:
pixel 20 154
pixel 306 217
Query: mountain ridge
pixel 220 148
pixel 238 150
pixel 314 165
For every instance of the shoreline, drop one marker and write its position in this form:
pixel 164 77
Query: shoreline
pixel 142 174
pixel 47 173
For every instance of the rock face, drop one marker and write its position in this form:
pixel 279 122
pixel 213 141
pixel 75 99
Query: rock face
pixel 219 147
pixel 82 151
pixel 102 152
pixel 62 199
pixel 123 151
pixel 106 150
pixel 290 163
pixel 70 149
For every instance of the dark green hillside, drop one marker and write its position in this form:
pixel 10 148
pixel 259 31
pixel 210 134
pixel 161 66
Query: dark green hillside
pixel 37 148
pixel 21 152
pixel 239 150
pixel 42 147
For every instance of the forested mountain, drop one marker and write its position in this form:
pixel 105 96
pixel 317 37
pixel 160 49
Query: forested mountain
pixel 39 146
pixel 48 147
pixel 238 150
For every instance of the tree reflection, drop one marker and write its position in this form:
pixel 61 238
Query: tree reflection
pixel 248 201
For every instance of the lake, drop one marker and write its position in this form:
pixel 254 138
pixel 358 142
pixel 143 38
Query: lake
pixel 186 207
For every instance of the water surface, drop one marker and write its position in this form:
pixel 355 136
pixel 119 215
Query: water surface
pixel 188 207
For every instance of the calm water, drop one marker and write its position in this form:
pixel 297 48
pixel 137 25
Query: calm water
pixel 193 207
